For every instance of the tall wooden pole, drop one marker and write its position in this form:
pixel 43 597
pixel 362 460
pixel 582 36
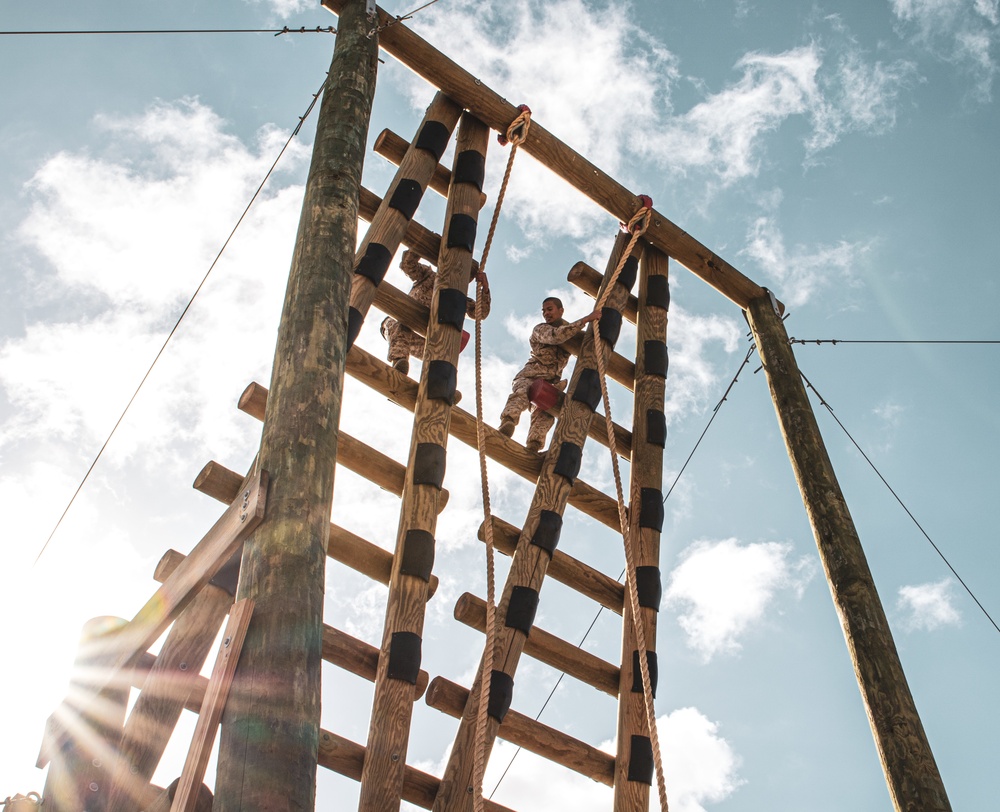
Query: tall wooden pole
pixel 270 734
pixel 910 770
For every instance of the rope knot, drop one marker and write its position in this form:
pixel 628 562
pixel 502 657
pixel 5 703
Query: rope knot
pixel 517 132
pixel 640 220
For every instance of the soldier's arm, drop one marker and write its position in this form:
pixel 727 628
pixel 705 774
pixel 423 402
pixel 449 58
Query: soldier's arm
pixel 548 334
pixel 414 268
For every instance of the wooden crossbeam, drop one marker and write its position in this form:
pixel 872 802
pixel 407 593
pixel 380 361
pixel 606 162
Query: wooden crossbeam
pixel 393 147
pixel 490 107
pixel 359 457
pixel 548 648
pixel 512 455
pixel 347 758
pixel 530 734
pixel 589 281
pixel 348 548
pixel 339 648
pixel 602 588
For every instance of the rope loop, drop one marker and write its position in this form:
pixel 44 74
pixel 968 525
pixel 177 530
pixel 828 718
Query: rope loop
pixel 517 132
pixel 640 220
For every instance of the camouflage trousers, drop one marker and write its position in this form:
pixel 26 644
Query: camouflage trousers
pixel 518 402
pixel 403 342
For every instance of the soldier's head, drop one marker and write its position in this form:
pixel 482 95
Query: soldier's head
pixel 552 309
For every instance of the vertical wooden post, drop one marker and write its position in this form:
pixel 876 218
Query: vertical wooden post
pixel 270 735
pixel 910 770
pixel 633 763
pixel 392 706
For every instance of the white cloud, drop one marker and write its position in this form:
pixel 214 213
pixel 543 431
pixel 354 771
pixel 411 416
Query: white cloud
pixel 802 272
pixel 723 588
pixel 285 8
pixel 958 32
pixel 700 767
pixel 928 607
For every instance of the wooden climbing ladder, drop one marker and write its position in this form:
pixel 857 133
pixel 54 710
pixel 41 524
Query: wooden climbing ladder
pixel 102 759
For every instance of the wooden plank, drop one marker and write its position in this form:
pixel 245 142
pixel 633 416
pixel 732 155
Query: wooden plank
pixel 491 108
pixel 597 586
pixel 187 794
pixel 339 648
pixel 393 147
pixel 588 280
pixel 646 472
pixel 911 772
pixel 598 431
pixel 347 758
pixel 509 453
pixel 392 706
pixel 530 734
pixel 344 546
pixel 359 457
pixel 547 648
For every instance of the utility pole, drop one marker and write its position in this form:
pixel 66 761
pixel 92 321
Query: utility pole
pixel 270 733
pixel 907 761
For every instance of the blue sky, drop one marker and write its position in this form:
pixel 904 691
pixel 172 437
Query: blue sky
pixel 843 155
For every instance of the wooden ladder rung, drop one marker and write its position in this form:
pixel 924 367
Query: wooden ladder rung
pixel 548 648
pixel 359 457
pixel 570 571
pixel 347 758
pixel 589 279
pixel 359 554
pixel 532 735
pixel 393 147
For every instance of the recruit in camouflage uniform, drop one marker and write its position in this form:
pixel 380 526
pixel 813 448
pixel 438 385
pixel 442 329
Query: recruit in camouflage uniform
pixel 548 360
pixel 403 342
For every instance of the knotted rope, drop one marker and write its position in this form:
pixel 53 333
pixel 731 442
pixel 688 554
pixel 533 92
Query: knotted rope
pixel 516 135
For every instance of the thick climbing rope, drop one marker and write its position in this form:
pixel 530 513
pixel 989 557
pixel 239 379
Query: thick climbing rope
pixel 636 227
pixel 516 135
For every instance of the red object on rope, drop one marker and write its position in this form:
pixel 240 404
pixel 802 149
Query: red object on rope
pixel 647 201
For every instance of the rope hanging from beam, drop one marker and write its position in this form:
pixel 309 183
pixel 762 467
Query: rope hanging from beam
pixel 636 227
pixel 516 135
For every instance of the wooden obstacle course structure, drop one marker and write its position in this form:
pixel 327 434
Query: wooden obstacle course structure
pixel 291 520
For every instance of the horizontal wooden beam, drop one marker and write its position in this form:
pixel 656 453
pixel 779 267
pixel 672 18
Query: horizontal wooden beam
pixel 347 758
pixel 588 280
pixel 530 734
pixel 339 649
pixel 359 457
pixel 393 147
pixel 586 580
pixel 359 554
pixel 548 648
pixel 402 390
pixel 498 113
